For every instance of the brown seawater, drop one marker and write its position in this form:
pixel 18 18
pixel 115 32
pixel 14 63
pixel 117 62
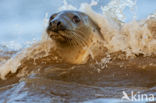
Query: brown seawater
pixel 38 74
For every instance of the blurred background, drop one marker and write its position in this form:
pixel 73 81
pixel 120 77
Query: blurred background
pixel 22 21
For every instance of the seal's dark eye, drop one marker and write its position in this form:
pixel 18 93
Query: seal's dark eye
pixel 76 19
pixel 53 16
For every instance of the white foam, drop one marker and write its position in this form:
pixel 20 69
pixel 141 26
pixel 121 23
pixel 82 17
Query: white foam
pixel 12 45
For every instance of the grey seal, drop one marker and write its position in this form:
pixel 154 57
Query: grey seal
pixel 73 31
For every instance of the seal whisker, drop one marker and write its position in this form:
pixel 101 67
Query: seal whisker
pixel 81 38
pixel 70 40
pixel 72 35
pixel 79 44
pixel 77 39
pixel 83 41
pixel 74 42
pixel 79 32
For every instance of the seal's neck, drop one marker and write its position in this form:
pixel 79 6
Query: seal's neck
pixel 72 54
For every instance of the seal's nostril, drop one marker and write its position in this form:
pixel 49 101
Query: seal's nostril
pixel 56 25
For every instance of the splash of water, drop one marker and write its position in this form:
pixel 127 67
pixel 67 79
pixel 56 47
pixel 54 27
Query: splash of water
pixel 131 37
pixel 116 7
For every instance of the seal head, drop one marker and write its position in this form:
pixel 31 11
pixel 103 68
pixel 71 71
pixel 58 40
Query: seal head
pixel 72 31
pixel 71 28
